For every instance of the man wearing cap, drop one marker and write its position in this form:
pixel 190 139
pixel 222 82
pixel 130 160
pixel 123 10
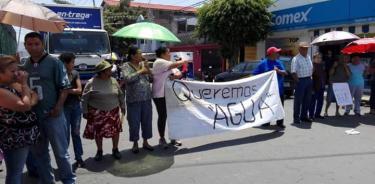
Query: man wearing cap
pixel 302 69
pixel 269 64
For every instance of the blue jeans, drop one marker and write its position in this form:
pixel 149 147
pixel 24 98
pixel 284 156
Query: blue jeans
pixel 140 115
pixel 356 92
pixel 73 119
pixel 302 98
pixel 316 103
pixel 15 161
pixel 53 130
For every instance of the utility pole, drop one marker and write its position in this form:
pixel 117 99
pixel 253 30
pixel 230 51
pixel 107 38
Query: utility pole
pixel 93 3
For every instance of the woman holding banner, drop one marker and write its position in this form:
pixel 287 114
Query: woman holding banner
pixel 269 64
pixel 162 69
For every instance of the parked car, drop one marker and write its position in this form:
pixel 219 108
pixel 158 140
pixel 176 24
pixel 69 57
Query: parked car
pixel 245 69
pixel 241 70
pixel 288 80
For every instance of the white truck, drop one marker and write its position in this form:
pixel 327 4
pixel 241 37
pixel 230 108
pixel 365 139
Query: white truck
pixel 85 37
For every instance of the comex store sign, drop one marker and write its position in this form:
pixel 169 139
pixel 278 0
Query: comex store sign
pixel 288 19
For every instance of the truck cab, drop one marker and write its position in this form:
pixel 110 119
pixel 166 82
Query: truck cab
pixel 89 45
pixel 85 37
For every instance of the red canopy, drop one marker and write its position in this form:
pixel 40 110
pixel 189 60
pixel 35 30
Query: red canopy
pixel 361 46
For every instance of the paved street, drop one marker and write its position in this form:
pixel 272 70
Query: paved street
pixel 314 153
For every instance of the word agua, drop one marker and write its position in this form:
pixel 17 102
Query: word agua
pixel 226 112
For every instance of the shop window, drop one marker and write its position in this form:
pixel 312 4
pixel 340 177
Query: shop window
pixel 339 29
pixel 327 30
pixel 352 29
pixel 365 28
pixel 316 32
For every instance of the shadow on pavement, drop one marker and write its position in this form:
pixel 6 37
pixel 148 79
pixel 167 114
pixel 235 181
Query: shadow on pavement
pixel 134 165
pixel 368 119
pixel 233 142
pixel 302 125
pixel 343 121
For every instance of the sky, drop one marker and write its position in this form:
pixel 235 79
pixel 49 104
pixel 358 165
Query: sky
pixel 98 2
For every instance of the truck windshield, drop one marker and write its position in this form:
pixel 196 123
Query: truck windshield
pixel 79 42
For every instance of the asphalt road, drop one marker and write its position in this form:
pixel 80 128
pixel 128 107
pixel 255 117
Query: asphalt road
pixel 316 153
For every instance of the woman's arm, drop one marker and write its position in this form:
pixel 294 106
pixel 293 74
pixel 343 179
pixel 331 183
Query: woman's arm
pixel 15 103
pixel 78 90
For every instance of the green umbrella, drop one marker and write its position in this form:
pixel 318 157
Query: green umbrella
pixel 148 31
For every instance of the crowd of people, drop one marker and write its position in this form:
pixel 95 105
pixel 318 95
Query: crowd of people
pixel 43 102
pixel 311 80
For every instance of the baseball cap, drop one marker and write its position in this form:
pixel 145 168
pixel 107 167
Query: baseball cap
pixel 272 50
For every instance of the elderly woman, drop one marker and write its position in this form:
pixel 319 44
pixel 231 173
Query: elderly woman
pixel 102 100
pixel 18 129
pixel 138 98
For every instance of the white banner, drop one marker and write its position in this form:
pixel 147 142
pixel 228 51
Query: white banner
pixel 342 93
pixel 201 108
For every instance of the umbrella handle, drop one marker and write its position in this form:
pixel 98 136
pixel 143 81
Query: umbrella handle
pixel 19 34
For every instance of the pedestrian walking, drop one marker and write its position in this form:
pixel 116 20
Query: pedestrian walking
pixel 72 108
pixel 48 77
pixel 356 84
pixel 302 69
pixel 163 69
pixel 269 64
pixel 18 124
pixel 319 80
pixel 102 100
pixel 339 73
pixel 138 98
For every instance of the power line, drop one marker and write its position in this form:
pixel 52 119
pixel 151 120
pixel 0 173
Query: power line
pixel 195 5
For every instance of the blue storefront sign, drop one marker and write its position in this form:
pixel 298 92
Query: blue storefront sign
pixel 327 13
pixel 78 17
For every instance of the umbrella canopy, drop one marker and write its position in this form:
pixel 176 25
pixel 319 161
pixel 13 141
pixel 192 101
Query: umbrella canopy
pixel 361 46
pixel 148 31
pixel 29 15
pixel 334 37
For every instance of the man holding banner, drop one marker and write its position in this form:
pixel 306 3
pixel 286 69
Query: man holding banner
pixel 269 64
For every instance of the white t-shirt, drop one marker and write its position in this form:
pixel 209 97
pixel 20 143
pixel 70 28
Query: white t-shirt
pixel 161 72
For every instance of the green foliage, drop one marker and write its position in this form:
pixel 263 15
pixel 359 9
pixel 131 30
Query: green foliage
pixel 61 2
pixel 116 17
pixel 234 24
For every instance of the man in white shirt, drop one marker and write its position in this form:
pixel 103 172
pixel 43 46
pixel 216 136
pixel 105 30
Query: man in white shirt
pixel 162 70
pixel 302 69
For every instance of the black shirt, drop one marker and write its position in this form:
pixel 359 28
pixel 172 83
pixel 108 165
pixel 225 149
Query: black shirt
pixel 72 99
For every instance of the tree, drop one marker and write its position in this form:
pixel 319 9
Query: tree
pixel 116 17
pixel 61 2
pixel 234 24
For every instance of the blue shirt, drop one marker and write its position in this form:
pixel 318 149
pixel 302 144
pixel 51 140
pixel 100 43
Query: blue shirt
pixel 269 65
pixel 356 78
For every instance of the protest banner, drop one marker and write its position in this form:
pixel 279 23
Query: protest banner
pixel 342 93
pixel 202 108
